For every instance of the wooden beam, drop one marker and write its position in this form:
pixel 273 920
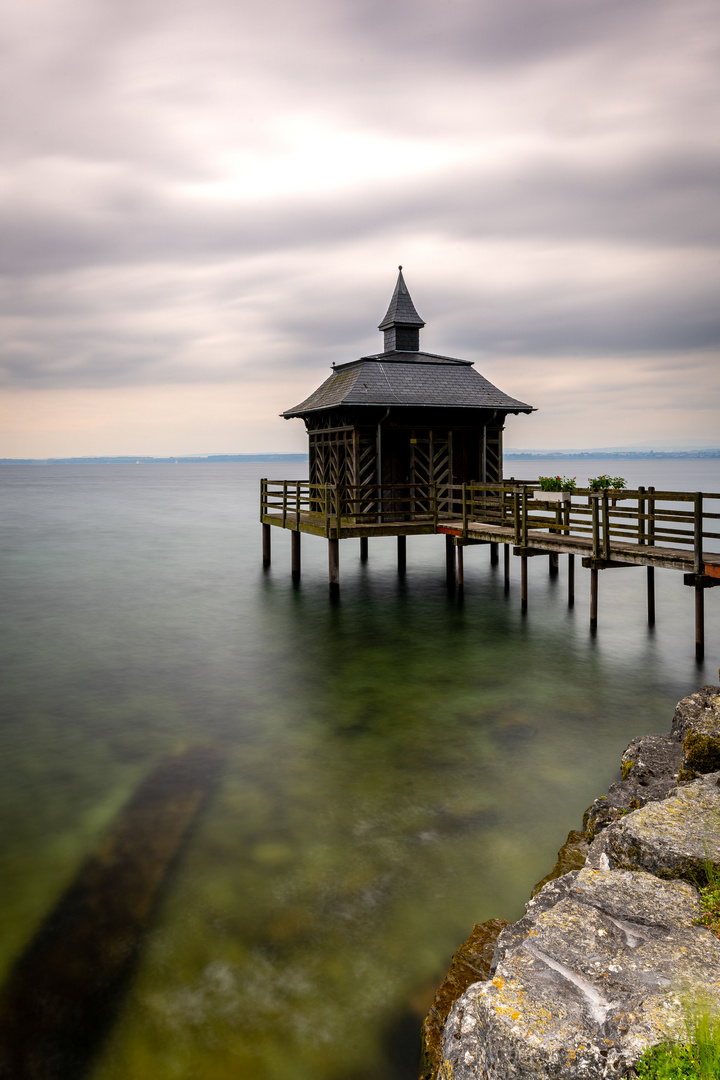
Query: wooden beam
pixel 571 581
pixel 506 566
pixel 402 554
pixel 266 546
pixel 334 565
pixel 553 564
pixel 363 549
pixel 651 595
pixel 460 568
pixel 593 597
pixel 450 553
pixel 295 553
pixel 63 993
pixel 523 583
pixel 699 623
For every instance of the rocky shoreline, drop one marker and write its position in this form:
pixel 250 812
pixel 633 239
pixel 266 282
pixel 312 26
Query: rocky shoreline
pixel 610 950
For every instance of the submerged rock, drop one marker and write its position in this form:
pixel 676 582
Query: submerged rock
pixel 594 972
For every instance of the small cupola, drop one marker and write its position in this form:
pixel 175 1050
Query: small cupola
pixel 402 323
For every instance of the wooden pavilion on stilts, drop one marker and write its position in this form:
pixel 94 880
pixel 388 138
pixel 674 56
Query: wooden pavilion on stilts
pixel 405 442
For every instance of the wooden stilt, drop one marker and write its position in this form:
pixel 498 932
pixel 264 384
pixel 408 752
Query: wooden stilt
pixel 295 552
pixel 523 583
pixel 506 566
pixel 494 554
pixel 334 565
pixel 460 569
pixel 553 564
pixel 450 550
pixel 571 581
pixel 266 544
pixel 699 622
pixel 402 554
pixel 651 595
pixel 363 548
pixel 593 598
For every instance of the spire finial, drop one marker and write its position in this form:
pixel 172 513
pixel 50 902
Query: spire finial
pixel 399 267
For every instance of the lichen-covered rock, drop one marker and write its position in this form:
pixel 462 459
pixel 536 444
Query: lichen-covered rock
pixel 697 726
pixel 594 972
pixel 471 963
pixel 650 767
pixel 674 838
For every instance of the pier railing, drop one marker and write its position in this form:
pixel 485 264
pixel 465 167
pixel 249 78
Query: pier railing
pixel 644 516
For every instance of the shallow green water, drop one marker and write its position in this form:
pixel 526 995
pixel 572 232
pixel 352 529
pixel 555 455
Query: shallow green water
pixel 398 765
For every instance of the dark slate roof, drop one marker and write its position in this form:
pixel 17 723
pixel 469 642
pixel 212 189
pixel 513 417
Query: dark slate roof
pixel 402 310
pixel 408 379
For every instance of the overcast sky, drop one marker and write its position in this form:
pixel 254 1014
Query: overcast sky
pixel 203 204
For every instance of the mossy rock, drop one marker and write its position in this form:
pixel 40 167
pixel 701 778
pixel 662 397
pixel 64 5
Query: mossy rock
pixel 571 856
pixel 470 964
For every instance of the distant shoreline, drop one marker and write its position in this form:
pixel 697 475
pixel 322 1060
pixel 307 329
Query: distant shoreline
pixel 140 459
pixel 214 459
pixel 603 455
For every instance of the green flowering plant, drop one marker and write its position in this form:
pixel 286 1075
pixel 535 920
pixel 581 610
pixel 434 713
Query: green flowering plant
pixel 557 483
pixel 605 482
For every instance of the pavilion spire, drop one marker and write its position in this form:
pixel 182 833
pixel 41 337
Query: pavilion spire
pixel 402 323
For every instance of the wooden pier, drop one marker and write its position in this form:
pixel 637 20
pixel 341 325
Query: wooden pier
pixel 608 529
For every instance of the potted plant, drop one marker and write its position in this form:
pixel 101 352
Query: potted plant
pixel 612 484
pixel 554 488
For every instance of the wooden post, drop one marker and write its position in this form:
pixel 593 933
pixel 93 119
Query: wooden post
pixel 699 622
pixel 593 598
pixel 402 554
pixel 450 550
pixel 295 552
pixel 506 567
pixel 266 545
pixel 494 554
pixel 595 527
pixel 651 595
pixel 571 581
pixel 698 533
pixel 460 568
pixel 363 549
pixel 553 563
pixel 334 565
pixel 523 583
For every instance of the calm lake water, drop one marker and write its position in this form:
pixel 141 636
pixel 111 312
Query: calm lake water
pixel 397 765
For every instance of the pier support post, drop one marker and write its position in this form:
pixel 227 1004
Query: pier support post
pixel 699 622
pixel 593 597
pixel 266 545
pixel 363 549
pixel 506 566
pixel 295 553
pixel 334 565
pixel 460 569
pixel 571 581
pixel 450 551
pixel 493 554
pixel 523 583
pixel 402 554
pixel 553 564
pixel 651 595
